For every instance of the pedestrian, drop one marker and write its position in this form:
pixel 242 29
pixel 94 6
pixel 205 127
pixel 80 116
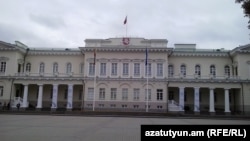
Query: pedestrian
pixel 18 106
pixel 8 106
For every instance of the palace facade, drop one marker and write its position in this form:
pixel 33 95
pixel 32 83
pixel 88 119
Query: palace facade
pixel 126 74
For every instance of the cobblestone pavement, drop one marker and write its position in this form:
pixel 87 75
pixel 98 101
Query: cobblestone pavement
pixel 86 128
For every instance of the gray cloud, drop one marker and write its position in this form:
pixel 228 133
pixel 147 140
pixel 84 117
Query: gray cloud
pixel 52 22
pixel 210 24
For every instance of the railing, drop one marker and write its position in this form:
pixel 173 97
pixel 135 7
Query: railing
pixel 173 106
pixel 28 74
pixel 179 76
pixel 173 102
pixel 204 77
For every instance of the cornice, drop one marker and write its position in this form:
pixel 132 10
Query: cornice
pixel 200 54
pixel 8 49
pixel 124 49
pixel 107 79
pixel 52 52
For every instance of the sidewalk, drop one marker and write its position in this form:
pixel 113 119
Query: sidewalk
pixel 126 114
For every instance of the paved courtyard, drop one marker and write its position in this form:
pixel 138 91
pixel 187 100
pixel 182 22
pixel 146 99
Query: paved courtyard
pixel 86 128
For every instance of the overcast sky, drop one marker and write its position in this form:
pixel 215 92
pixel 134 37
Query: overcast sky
pixel 67 23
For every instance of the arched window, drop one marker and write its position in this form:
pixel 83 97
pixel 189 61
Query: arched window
pixel 170 70
pixel 55 68
pixel 212 70
pixel 28 67
pixel 68 68
pixel 198 70
pixel 41 68
pixel 227 70
pixel 183 70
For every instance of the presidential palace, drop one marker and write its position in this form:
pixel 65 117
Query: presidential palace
pixel 127 75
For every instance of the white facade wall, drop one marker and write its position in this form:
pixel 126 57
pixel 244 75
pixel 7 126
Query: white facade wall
pixel 113 51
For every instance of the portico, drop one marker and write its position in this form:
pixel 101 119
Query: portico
pixel 200 99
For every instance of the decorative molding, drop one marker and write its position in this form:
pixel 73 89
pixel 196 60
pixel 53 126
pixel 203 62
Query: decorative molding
pixel 127 49
pixel 200 54
pixel 53 52
pixel 2 58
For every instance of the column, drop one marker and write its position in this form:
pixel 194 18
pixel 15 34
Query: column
pixel 181 98
pixel 54 97
pixel 196 99
pixel 70 97
pixel 227 104
pixel 211 101
pixel 25 96
pixel 40 97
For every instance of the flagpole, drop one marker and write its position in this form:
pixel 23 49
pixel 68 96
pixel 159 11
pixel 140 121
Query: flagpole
pixel 147 88
pixel 94 90
pixel 126 30
pixel 147 77
pixel 94 79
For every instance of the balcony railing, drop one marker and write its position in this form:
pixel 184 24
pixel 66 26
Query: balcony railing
pixel 177 77
pixel 28 74
pixel 195 76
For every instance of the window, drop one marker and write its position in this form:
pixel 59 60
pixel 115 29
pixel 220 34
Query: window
pixel 124 106
pixel 1 91
pixel 148 94
pixel 125 69
pixel 2 67
pixel 197 70
pixel 65 93
pixel 159 107
pixel 103 69
pixel 212 70
pixel 89 105
pixel 183 70
pixel 124 94
pixel 159 69
pixel 101 105
pixel 68 68
pixel 90 95
pixel 41 68
pixel 170 70
pixel 136 69
pixel 102 93
pixel 81 68
pixel 159 94
pixel 28 67
pixel 55 68
pixel 227 70
pixel 148 71
pixel 136 94
pixel 113 93
pixel 136 106
pixel 91 69
pixel 112 105
pixel 114 69
pixel 171 95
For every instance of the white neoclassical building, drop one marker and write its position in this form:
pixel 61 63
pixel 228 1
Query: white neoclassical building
pixel 126 74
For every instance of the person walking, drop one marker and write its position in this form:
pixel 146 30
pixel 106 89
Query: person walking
pixel 18 106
